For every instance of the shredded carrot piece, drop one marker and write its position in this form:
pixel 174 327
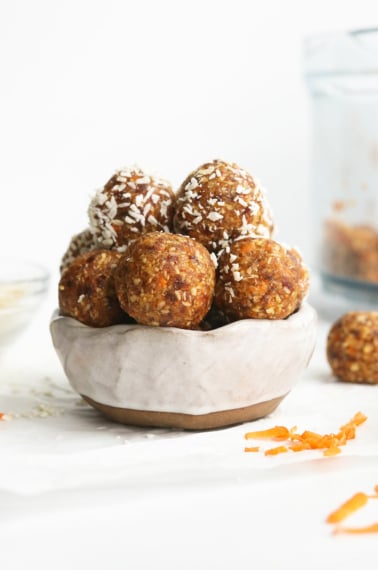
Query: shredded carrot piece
pixel 330 443
pixel 253 449
pixel 356 502
pixel 350 506
pixel 1 416
pixel 277 433
pixel 331 451
pixel 302 446
pixel 357 530
pixel 276 450
pixel 359 418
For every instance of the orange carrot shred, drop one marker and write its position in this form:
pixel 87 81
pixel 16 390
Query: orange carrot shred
pixel 302 446
pixel 277 433
pixel 1 416
pixel 357 530
pixel 331 451
pixel 346 509
pixel 330 443
pixel 356 502
pixel 276 450
pixel 359 418
pixel 252 449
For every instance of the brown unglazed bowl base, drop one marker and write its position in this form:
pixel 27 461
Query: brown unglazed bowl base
pixel 211 420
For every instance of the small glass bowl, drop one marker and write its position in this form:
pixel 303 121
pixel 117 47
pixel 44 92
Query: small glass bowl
pixel 23 285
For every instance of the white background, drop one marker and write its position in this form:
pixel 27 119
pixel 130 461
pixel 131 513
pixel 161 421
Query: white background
pixel 90 86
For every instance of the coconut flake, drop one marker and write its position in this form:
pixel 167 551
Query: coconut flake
pixel 214 216
pixel 192 184
pixel 214 259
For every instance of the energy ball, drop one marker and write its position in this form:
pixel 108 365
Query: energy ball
pixel 130 204
pixel 166 280
pixel 87 292
pixel 219 202
pixel 79 244
pixel 352 347
pixel 259 278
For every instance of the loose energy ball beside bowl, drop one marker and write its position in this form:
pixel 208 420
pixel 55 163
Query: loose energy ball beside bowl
pixel 131 203
pixel 352 347
pixel 259 278
pixel 166 280
pixel 87 292
pixel 218 202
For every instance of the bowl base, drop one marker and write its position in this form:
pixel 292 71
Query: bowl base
pixel 211 420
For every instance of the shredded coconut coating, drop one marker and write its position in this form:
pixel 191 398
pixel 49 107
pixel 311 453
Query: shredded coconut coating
pixel 219 202
pixel 80 243
pixel 87 292
pixel 258 278
pixel 130 204
pixel 166 280
pixel 352 347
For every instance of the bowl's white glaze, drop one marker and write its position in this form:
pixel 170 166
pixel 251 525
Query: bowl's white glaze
pixel 186 372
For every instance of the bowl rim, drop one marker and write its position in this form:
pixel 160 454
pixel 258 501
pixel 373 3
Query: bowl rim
pixel 304 310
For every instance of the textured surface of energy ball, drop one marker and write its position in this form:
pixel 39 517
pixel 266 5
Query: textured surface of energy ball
pixel 131 203
pixel 87 292
pixel 166 280
pixel 80 243
pixel 259 278
pixel 218 202
pixel 352 347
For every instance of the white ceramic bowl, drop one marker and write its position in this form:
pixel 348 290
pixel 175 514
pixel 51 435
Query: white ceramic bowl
pixel 23 285
pixel 155 376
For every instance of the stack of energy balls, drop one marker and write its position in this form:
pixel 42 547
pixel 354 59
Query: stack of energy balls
pixel 196 259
